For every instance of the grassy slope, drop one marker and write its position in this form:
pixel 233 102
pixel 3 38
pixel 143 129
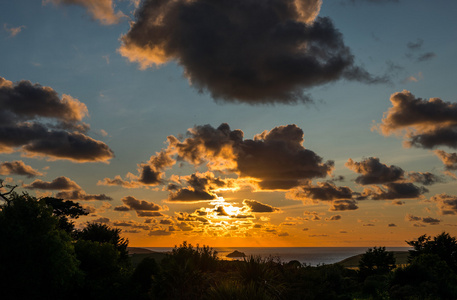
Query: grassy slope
pixel 353 261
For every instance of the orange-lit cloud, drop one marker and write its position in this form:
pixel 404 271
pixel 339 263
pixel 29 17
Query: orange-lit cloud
pixel 273 160
pixel 61 183
pixel 13 31
pixel 101 10
pixel 18 168
pixel 446 203
pixel 449 159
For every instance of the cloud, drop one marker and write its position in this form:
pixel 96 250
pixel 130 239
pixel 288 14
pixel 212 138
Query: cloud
pixel 415 45
pixel 392 225
pixel 425 178
pixel 35 121
pixel 333 218
pixel 12 31
pixel 101 10
pixel 258 207
pixel 149 174
pixel 374 172
pixel 449 159
pixel 159 232
pixel 199 187
pixel 18 168
pixel 276 158
pixel 426 220
pixel 142 208
pixel 322 191
pixel 446 203
pixel 426 124
pixel 395 190
pixel 146 214
pixel 101 220
pixel 244 50
pixel 342 205
pixel 426 56
pixel 372 1
pixel 135 204
pixel 81 195
pixel 61 183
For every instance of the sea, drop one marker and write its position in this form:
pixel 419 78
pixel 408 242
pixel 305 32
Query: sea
pixel 312 256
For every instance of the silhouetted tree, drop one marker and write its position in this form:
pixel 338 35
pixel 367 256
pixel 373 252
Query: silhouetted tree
pixel 65 210
pixel 102 233
pixel 442 245
pixel 37 258
pixel 376 261
pixel 426 277
pixel 185 272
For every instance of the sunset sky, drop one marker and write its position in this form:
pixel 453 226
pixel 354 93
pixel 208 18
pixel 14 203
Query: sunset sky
pixel 236 122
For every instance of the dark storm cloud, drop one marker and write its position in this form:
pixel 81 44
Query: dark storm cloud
pixel 446 203
pixel 18 168
pixel 81 195
pixel 374 172
pixel 258 207
pixel 449 159
pixel 243 50
pixel 276 158
pixel 425 178
pixel 60 183
pixel 396 190
pixel 36 121
pixel 101 10
pixel 426 124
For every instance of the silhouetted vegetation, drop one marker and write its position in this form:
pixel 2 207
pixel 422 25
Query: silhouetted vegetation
pixel 42 256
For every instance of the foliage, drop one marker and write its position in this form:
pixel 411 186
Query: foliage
pixel 65 210
pixel 101 233
pixel 427 277
pixel 376 261
pixel 443 245
pixel 37 258
pixel 185 272
pixel 40 260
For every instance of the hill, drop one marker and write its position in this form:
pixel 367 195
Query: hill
pixel 401 258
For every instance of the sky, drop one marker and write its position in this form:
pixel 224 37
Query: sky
pixel 235 122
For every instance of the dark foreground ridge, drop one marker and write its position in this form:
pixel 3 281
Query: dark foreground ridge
pixel 45 257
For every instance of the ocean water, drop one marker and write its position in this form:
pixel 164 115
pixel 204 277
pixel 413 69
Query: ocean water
pixel 306 255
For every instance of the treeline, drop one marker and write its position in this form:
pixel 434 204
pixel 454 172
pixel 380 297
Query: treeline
pixel 43 256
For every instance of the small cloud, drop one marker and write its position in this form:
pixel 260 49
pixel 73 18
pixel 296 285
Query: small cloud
pixel 414 78
pixel 18 168
pixel 333 218
pixel 392 225
pixel 13 31
pixel 426 56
